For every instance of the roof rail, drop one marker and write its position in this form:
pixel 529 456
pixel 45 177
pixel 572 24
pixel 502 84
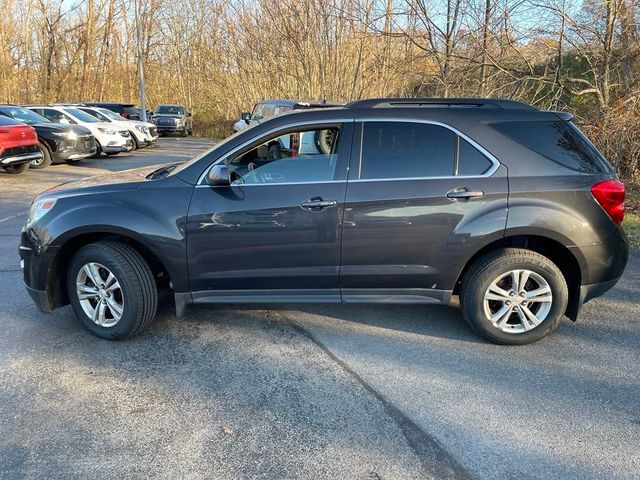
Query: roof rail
pixel 442 102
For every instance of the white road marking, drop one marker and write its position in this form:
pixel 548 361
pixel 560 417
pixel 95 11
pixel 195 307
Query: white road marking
pixel 11 217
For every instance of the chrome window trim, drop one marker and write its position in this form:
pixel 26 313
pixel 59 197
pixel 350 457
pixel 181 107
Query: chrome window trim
pixel 201 179
pixel 495 162
pixel 242 185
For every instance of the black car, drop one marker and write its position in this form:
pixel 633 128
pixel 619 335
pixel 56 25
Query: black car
pixel 58 142
pixel 405 201
pixel 125 110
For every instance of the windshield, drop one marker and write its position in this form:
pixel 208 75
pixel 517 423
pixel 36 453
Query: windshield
pixel 263 110
pixel 110 115
pixel 170 109
pixel 96 114
pixel 23 115
pixel 219 145
pixel 80 115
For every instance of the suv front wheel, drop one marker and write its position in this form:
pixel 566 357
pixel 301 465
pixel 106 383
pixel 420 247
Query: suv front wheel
pixel 112 290
pixel 513 296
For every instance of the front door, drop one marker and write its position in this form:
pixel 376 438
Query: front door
pixel 420 198
pixel 274 233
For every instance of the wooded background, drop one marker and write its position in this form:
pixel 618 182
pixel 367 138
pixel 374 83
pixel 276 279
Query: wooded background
pixel 220 56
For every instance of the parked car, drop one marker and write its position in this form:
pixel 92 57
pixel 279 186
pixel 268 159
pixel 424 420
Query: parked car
pixel 142 133
pixel 110 139
pixel 57 142
pixel 409 201
pixel 18 145
pixel 125 110
pixel 173 119
pixel 268 108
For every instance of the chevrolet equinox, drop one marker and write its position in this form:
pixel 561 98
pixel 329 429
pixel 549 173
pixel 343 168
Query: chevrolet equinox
pixel 507 207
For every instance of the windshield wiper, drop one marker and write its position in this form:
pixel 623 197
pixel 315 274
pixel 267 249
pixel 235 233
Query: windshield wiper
pixel 161 172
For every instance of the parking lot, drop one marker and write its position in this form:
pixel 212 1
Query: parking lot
pixel 307 391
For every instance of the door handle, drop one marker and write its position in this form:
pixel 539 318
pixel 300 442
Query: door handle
pixel 464 193
pixel 316 204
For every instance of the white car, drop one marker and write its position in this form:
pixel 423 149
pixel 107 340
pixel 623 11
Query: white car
pixel 143 133
pixel 111 138
pixel 268 108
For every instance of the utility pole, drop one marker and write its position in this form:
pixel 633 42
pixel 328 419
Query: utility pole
pixel 143 107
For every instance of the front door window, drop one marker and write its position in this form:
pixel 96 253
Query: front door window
pixel 306 156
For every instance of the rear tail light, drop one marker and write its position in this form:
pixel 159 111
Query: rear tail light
pixel 610 195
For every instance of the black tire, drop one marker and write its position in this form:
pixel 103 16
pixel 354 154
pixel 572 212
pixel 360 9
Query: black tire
pixel 16 169
pixel 190 132
pixel 98 153
pixel 185 132
pixel 46 158
pixel 139 290
pixel 136 144
pixel 490 267
pixel 324 140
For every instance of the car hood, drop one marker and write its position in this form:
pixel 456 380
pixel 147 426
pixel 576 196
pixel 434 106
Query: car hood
pixel 125 180
pixel 61 128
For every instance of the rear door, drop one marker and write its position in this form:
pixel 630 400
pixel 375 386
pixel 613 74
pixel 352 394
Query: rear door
pixel 421 199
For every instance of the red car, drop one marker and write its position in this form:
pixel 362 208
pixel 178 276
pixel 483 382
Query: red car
pixel 18 145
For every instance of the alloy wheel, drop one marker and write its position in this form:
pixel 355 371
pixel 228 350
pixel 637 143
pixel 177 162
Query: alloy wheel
pixel 100 294
pixel 518 301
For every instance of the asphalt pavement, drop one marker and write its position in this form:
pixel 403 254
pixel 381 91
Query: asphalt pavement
pixel 307 391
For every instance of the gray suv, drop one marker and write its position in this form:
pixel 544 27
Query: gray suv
pixel 381 201
pixel 173 119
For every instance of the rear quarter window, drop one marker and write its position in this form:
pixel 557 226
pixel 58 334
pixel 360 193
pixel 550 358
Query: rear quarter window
pixel 561 142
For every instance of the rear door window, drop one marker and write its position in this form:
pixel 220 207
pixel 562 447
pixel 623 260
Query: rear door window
pixel 406 150
pixel 470 161
pixel 53 115
pixel 417 150
pixel 560 142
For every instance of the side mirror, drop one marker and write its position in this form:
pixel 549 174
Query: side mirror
pixel 246 116
pixel 188 114
pixel 219 176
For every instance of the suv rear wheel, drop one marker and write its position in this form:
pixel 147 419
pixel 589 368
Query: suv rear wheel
pixel 112 290
pixel 514 296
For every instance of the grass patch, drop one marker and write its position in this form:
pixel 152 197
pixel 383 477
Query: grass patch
pixel 631 222
pixel 631 227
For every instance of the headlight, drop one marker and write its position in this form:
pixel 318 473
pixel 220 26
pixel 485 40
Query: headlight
pixel 179 121
pixel 142 128
pixel 39 208
pixel 108 131
pixel 67 135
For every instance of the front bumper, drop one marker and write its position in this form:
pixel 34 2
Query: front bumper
pixel 164 129
pixel 40 299
pixel 78 148
pixel 74 155
pixel 127 146
pixel 37 265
